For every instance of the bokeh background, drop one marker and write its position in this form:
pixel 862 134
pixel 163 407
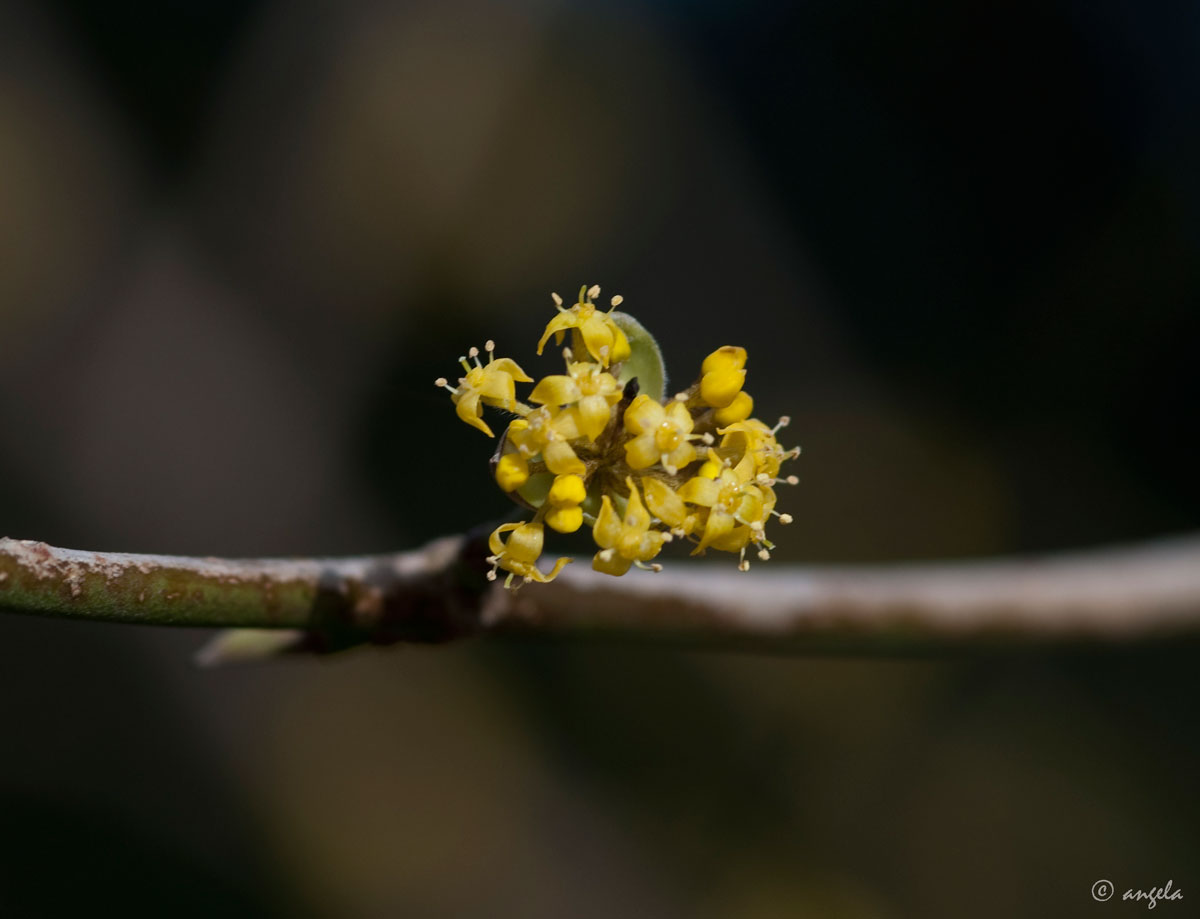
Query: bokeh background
pixel 239 239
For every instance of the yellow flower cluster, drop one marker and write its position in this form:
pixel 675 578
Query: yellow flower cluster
pixel 591 449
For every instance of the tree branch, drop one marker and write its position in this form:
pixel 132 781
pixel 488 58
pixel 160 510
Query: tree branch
pixel 440 592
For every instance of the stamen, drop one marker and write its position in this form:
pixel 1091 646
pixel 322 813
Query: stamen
pixel 784 421
pixel 681 397
pixel 785 519
pixel 557 299
pixel 593 292
pixel 764 555
pixel 708 439
pixel 617 301
pixel 473 354
pixel 793 480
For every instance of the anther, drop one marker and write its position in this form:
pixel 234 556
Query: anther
pixel 764 555
pixel 617 300
pixel 793 480
pixel 557 299
pixel 593 291
pixel 786 518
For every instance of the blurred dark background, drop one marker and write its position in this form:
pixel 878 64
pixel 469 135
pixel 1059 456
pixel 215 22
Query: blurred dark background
pixel 239 240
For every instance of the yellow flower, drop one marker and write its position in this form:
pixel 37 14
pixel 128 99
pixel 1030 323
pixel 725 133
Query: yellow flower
pixel 512 471
pixel 628 541
pixel 577 441
pixel 549 433
pixel 737 510
pixel 741 408
pixel 564 498
pixel 722 376
pixel 601 335
pixel 490 383
pixel 586 390
pixel 667 506
pixel 520 554
pixel 760 454
pixel 660 434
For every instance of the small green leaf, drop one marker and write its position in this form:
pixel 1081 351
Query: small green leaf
pixel 534 492
pixel 645 361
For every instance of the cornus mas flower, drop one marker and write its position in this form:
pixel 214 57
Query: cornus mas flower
pixel 601 446
pixel 602 336
pixel 491 383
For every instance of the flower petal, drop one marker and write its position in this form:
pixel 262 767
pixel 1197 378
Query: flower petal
pixel 593 414
pixel 642 452
pixel 494 541
pixel 719 524
pixel 664 503
pixel 607 530
pixel 561 459
pixel 597 332
pixel 613 564
pixel 468 410
pixel 701 491
pixel 560 323
pixel 509 366
pixel 643 414
pixel 556 389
